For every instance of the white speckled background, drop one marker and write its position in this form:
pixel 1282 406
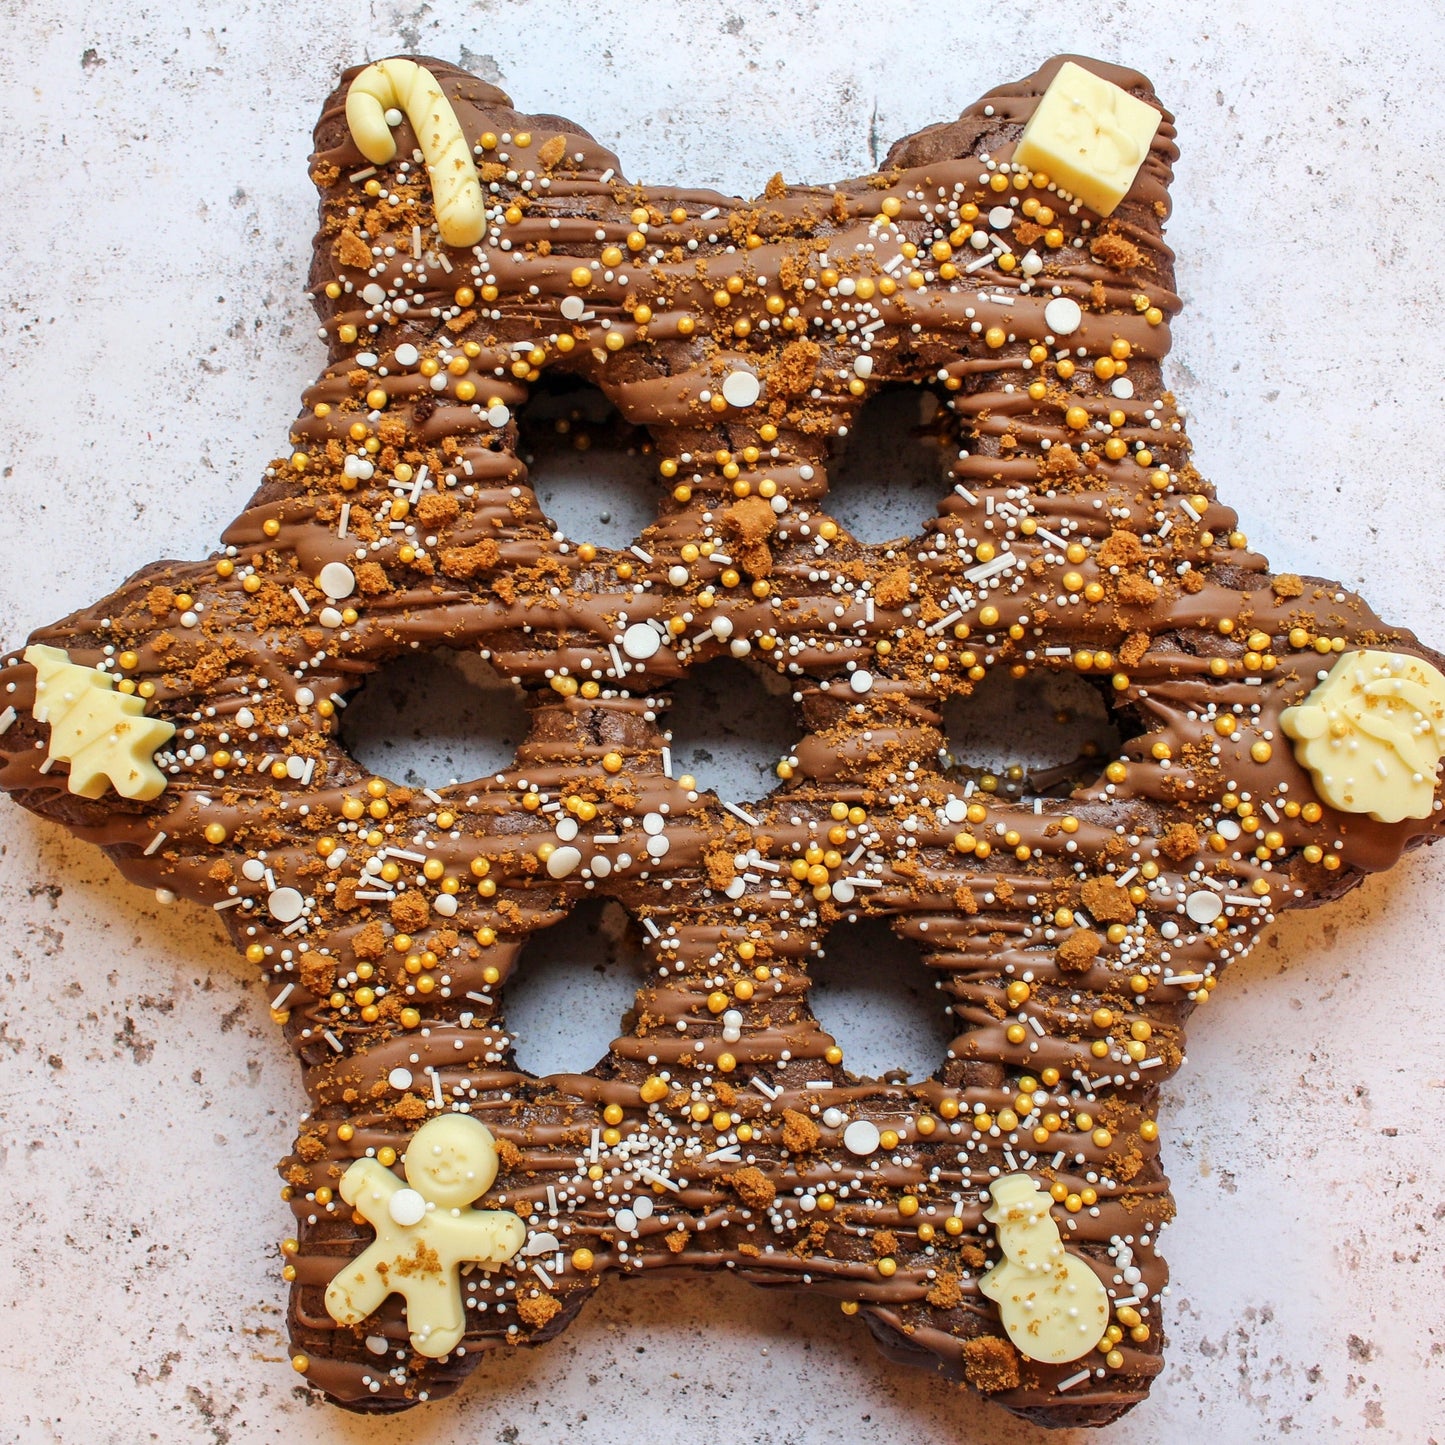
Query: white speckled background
pixel 153 339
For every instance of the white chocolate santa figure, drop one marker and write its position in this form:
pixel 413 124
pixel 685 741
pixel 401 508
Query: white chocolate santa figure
pixel 426 1232
pixel 1053 1306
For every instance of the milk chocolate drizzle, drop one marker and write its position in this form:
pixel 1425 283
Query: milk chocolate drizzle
pixel 258 676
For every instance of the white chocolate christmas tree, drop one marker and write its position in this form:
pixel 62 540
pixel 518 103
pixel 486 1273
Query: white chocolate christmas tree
pixel 104 735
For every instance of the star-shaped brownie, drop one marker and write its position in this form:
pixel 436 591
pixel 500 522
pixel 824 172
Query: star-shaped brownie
pixel 1000 1220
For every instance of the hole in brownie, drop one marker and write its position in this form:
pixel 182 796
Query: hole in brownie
pixel 433 718
pixel 1041 735
pixel 872 991
pixel 574 987
pixel 730 722
pixel 593 475
pixel 885 481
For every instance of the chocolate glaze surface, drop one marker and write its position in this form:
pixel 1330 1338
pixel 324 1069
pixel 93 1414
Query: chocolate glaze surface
pixel 1058 921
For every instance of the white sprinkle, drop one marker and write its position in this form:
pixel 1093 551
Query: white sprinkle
pixel 1063 315
pixel 1072 1381
pixel 861 1137
pixel 300 601
pixel 819 1084
pixel 334 1042
pixel 562 862
pixel 399 1079
pixel 595 1147
pixel 345 521
pixel 710 213
pixel 936 627
pixel 374 896
pixel 737 812
pixel 640 554
pixel 7 719
pixel 865 882
pixel 1193 515
pixel 863 366
pixel 436 1088
pixel 1000 218
pixel 498 416
pixel 640 641
pixel 227 903
pixel 1151 1063
pixel 985 570
pixel 652 928
pixel 653 1177
pixel 741 388
pixel 416 243
pixel 1123 388
pixel 607 176
pixel 281 997
pixel 154 844
pixel 1245 901
pixel 542 1275
pixel 362 175
pixel 860 681
pixel 373 295
pixel 965 494
pixel 1051 537
pixel 666 761
pixel 1124 879
pixel 766 1090
pixel 572 307
pixel 1203 907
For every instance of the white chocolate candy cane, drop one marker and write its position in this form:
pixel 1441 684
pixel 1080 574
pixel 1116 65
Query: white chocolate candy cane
pixel 456 191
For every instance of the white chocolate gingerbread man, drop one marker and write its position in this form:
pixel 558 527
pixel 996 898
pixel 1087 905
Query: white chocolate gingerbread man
pixel 426 1232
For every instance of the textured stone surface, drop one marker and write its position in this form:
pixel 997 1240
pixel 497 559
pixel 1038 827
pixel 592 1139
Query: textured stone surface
pixel 153 338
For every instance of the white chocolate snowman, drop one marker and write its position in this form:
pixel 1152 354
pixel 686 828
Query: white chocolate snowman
pixel 1053 1306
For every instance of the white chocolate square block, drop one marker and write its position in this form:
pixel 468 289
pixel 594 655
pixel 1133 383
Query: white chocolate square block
pixel 1089 136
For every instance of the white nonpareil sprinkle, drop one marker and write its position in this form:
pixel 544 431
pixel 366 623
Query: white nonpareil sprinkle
pixel 399 1079
pixel 861 681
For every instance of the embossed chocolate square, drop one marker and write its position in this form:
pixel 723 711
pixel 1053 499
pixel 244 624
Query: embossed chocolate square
pixel 1274 740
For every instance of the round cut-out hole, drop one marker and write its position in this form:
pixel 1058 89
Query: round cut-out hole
pixel 433 718
pixel 730 722
pixel 1042 735
pixel 573 990
pixel 886 482
pixel 872 991
pixel 591 473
